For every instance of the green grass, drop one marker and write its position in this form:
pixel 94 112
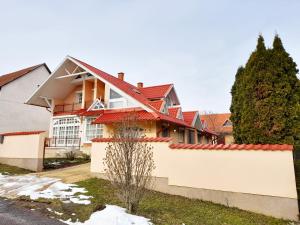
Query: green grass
pixel 12 170
pixel 162 209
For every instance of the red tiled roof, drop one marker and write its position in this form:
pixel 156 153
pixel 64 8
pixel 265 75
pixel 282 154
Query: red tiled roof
pixel 146 139
pixel 22 133
pixel 173 111
pixel 215 122
pixel 157 104
pixel 7 78
pixel 121 84
pixel 113 115
pixel 155 92
pixel 189 117
pixel 92 113
pixel 264 147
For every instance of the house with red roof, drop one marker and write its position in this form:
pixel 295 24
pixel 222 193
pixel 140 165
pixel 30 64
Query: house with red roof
pixel 85 102
pixel 15 89
pixel 220 124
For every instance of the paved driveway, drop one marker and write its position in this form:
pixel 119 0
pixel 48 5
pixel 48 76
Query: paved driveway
pixel 71 174
pixel 11 214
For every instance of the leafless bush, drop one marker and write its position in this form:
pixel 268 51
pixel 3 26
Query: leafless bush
pixel 129 162
pixel 70 155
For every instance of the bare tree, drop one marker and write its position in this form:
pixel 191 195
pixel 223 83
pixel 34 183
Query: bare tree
pixel 129 162
pixel 212 119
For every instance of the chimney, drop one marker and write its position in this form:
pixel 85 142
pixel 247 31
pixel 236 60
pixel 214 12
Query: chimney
pixel 121 75
pixel 140 84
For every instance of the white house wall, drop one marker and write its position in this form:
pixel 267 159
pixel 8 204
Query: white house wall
pixel 14 114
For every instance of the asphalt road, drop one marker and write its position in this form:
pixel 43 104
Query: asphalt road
pixel 12 214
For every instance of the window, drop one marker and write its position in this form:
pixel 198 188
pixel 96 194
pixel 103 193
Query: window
pixel 115 100
pixel 165 109
pixel 78 97
pixel 116 104
pixel 191 137
pixel 180 116
pixel 181 135
pixel 165 131
pixel 92 130
pixel 97 105
pixel 66 131
pixel 114 95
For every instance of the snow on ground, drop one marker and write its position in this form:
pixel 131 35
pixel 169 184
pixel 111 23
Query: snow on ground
pixel 41 187
pixel 112 215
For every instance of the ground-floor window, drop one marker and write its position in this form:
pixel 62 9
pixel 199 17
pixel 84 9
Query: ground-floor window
pixel 191 138
pixel 181 135
pixel 165 131
pixel 66 131
pixel 92 130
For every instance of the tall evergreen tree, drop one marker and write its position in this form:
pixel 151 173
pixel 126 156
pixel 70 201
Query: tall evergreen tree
pixel 265 97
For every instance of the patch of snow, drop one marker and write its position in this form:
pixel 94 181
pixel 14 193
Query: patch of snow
pixel 41 187
pixel 112 215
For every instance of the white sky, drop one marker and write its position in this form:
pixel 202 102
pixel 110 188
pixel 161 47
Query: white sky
pixel 197 45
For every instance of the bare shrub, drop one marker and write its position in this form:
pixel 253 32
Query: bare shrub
pixel 70 155
pixel 129 162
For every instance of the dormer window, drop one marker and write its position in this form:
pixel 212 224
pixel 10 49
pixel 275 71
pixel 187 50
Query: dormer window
pixel 97 105
pixel 180 116
pixel 165 109
pixel 227 123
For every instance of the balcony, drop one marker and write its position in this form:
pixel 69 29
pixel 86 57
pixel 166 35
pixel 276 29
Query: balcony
pixel 70 108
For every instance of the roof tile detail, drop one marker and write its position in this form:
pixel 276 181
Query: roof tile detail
pixel 255 147
pixel 146 139
pixel 156 92
pixel 189 116
pixel 173 111
pixel 157 104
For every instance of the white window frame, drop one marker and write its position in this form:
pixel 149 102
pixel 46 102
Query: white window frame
pixel 96 127
pixel 77 93
pixel 61 127
pixel 98 101
pixel 121 99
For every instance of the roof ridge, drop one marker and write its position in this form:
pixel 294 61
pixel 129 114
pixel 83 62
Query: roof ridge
pixel 158 85
pixel 12 76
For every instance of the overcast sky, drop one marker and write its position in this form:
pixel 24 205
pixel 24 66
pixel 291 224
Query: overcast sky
pixel 197 45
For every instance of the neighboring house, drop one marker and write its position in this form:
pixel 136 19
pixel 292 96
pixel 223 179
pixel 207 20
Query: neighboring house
pixel 86 101
pixel 220 124
pixel 15 89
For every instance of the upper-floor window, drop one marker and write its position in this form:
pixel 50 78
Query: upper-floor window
pixel 118 101
pixel 165 109
pixel 114 95
pixel 78 97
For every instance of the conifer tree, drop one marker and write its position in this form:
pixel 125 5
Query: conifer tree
pixel 265 97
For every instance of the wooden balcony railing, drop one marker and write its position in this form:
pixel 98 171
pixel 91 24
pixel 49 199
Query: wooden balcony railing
pixel 62 142
pixel 71 107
